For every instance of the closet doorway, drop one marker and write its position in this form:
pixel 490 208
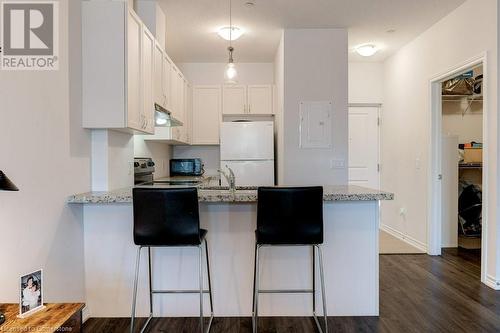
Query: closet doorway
pixel 458 177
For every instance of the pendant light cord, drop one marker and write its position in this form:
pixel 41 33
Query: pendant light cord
pixel 230 24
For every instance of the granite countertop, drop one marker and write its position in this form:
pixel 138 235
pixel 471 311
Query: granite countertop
pixel 242 194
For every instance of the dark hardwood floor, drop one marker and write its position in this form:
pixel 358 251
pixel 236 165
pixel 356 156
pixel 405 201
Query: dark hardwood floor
pixel 418 293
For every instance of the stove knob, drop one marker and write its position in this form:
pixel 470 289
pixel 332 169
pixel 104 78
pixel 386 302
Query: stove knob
pixel 143 165
pixel 136 164
pixel 151 164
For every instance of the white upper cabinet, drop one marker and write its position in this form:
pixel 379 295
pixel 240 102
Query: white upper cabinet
pixel 166 79
pixel 113 68
pixel 125 71
pixel 159 82
pixel 252 99
pixel 148 47
pixel 260 99
pixel 135 118
pixel 234 99
pixel 206 114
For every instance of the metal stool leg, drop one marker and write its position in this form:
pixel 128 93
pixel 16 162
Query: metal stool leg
pixel 201 288
pixel 150 283
pixel 134 297
pixel 209 288
pixel 255 314
pixel 323 293
pixel 314 279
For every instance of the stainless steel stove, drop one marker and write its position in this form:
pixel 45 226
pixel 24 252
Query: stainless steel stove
pixel 144 169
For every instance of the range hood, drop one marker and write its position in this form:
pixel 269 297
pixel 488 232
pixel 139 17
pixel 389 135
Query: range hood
pixel 163 117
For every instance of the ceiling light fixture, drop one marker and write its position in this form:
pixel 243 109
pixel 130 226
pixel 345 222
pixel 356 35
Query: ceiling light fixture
pixel 230 72
pixel 366 50
pixel 227 33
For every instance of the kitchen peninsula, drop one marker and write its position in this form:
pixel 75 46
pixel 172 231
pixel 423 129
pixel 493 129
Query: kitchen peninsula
pixel 351 220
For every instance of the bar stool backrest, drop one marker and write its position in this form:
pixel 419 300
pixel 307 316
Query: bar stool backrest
pixel 166 216
pixel 290 215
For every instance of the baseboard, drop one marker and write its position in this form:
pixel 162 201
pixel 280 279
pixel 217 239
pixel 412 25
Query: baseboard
pixel 405 238
pixel 492 282
pixel 85 314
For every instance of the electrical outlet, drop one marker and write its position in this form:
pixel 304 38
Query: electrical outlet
pixel 403 211
pixel 337 164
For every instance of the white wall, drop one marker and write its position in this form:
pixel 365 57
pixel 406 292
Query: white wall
pixel 45 151
pixel 366 82
pixel 406 117
pixel 160 153
pixel 279 79
pixel 315 69
pixel 209 154
pixel 468 127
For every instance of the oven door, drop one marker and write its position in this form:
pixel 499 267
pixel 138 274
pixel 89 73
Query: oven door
pixel 143 179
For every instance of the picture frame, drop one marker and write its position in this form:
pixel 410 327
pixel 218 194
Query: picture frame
pixel 30 293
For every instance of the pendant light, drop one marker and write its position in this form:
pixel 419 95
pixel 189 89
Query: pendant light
pixel 230 73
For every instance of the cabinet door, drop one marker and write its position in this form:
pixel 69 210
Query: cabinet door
pixel 167 85
pixel 234 99
pixel 134 102
pixel 206 115
pixel 180 96
pixel 260 99
pixel 174 108
pixel 159 96
pixel 148 46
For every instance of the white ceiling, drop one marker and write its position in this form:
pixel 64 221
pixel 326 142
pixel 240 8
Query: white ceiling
pixel 192 25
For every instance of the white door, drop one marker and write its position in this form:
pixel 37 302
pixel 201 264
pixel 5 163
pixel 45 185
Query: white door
pixel 247 140
pixel 206 114
pixel 364 146
pixel 234 99
pixel 250 173
pixel 260 99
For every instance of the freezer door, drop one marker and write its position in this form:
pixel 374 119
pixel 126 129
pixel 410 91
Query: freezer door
pixel 250 173
pixel 247 140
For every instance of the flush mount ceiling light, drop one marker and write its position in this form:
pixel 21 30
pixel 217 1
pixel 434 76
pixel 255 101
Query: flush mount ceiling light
pixel 230 34
pixel 366 50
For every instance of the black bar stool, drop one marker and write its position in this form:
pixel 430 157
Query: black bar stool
pixel 290 216
pixel 168 218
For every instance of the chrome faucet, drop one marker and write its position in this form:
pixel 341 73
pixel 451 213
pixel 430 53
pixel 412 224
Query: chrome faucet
pixel 230 178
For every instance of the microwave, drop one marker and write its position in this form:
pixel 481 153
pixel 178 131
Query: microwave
pixel 186 167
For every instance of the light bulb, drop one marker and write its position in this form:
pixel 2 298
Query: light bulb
pixel 234 32
pixel 367 50
pixel 230 73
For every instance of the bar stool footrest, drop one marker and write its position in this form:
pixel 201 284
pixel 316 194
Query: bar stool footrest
pixel 285 291
pixel 185 291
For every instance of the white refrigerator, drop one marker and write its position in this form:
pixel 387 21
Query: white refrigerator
pixel 248 149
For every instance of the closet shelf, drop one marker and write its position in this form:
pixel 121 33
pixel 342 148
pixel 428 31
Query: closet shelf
pixel 470 165
pixel 459 98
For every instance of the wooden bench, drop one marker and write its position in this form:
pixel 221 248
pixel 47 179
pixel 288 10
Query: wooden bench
pixel 55 317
